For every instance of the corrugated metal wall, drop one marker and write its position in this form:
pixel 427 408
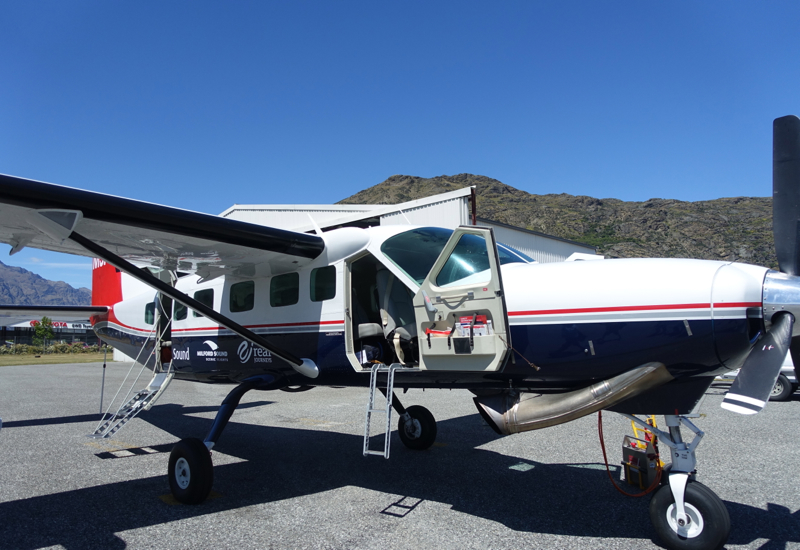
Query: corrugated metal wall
pixel 539 247
pixel 448 213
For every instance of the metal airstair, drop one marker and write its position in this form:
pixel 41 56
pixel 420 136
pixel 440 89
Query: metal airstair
pixel 141 401
pixel 380 368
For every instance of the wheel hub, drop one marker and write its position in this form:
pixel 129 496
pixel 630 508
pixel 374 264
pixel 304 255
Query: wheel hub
pixel 182 473
pixel 413 428
pixel 689 528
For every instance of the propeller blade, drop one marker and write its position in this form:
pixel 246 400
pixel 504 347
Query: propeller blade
pixel 750 391
pixel 786 192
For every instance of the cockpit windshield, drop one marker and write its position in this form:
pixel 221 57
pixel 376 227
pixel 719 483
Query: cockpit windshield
pixel 416 251
pixel 510 255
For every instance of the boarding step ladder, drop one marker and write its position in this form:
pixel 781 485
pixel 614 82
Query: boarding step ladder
pixel 380 368
pixel 142 401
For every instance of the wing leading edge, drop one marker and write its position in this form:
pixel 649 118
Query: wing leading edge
pixel 147 233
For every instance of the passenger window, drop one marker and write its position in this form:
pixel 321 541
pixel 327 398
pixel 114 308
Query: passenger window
pixel 150 313
pixel 323 283
pixel 179 312
pixel 467 264
pixel 205 297
pixel 242 296
pixel 284 290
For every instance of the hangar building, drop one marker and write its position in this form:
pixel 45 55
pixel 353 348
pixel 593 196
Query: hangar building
pixel 445 210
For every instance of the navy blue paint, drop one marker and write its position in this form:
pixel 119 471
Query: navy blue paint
pixel 564 355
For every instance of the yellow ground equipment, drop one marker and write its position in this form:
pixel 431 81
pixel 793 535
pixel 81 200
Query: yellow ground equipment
pixel 640 459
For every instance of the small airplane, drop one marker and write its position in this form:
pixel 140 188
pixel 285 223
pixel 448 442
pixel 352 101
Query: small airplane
pixel 217 300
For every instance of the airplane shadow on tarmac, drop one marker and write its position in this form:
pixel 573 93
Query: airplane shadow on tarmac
pixel 285 463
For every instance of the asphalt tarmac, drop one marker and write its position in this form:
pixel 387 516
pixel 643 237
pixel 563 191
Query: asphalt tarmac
pixel 289 473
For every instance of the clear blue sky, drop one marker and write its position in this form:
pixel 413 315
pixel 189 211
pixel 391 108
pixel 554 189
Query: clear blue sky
pixel 205 104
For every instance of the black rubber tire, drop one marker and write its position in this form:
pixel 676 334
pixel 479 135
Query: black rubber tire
pixel 191 472
pixel 427 429
pixel 700 501
pixel 782 390
pixel 296 389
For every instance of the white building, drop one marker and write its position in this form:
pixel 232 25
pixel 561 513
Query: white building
pixel 445 210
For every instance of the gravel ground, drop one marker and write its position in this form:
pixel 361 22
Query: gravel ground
pixel 289 474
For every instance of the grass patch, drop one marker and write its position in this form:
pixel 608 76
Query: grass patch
pixel 52 359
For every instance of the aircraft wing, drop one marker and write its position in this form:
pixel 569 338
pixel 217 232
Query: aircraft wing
pixel 41 215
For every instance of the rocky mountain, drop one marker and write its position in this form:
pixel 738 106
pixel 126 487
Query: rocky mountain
pixel 21 287
pixel 738 228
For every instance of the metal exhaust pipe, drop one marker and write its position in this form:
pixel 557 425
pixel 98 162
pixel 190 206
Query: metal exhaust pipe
pixel 512 412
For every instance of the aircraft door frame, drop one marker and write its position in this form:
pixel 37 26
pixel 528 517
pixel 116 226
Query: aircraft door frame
pixel 463 326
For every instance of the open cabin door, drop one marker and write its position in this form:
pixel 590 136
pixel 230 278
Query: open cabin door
pixel 460 309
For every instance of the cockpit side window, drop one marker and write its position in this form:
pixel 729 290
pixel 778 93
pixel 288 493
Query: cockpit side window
pixel 469 259
pixel 416 251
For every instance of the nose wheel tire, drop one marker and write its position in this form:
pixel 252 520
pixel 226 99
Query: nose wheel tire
pixel 782 389
pixel 190 471
pixel 420 433
pixel 708 524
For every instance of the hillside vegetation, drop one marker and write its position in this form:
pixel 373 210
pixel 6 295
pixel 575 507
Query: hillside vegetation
pixel 738 229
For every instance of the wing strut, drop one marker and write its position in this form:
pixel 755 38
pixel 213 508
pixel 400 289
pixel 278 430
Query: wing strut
pixel 305 367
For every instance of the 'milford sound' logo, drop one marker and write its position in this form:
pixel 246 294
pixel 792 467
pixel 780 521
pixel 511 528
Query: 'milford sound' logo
pixel 247 350
pixel 214 354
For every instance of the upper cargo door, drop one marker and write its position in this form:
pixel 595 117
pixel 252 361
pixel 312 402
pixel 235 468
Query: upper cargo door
pixel 460 309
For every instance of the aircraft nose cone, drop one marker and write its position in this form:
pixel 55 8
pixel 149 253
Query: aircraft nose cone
pixel 781 294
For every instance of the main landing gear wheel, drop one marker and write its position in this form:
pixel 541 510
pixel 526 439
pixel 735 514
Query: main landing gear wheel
pixel 191 472
pixel 782 389
pixel 708 526
pixel 420 433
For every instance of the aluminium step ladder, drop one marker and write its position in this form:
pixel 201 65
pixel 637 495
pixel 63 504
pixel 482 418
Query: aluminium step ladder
pixel 142 401
pixel 380 368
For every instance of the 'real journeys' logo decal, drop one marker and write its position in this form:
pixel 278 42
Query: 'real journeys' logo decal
pixel 247 351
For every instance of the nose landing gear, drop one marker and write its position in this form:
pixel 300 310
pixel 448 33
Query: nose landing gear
pixel 686 514
pixel 704 523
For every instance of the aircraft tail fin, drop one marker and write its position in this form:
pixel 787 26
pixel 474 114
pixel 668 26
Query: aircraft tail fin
pixel 106 284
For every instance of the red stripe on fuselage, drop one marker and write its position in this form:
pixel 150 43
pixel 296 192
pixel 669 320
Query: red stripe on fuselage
pixel 617 309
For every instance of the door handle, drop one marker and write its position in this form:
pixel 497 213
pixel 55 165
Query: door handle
pixel 428 305
pixel 469 296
